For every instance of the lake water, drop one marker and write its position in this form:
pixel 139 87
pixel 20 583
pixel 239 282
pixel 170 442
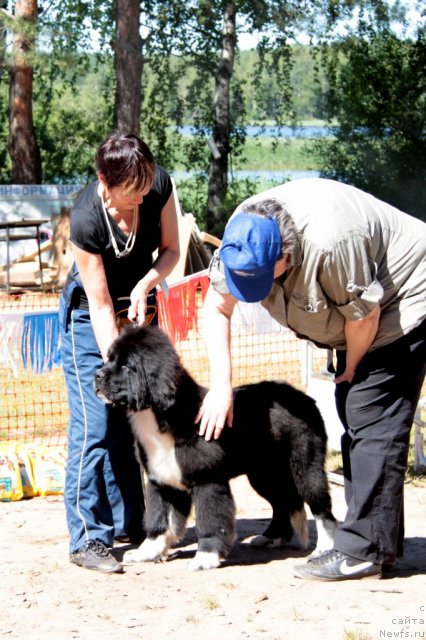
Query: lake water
pixel 310 131
pixel 276 176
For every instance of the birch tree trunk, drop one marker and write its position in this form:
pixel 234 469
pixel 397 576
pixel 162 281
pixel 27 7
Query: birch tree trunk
pixel 128 67
pixel 219 142
pixel 23 147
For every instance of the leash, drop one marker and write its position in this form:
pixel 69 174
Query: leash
pixel 123 321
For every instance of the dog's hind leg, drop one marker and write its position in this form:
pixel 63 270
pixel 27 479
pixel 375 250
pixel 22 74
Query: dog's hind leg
pixel 166 513
pixel 326 530
pixel 314 489
pixel 308 449
pixel 288 513
pixel 319 500
pixel 215 522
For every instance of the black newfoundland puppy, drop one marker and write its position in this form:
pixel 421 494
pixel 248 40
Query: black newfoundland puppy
pixel 277 439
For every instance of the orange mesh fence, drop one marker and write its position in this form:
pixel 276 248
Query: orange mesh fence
pixel 33 406
pixel 33 395
pixel 33 398
pixel 27 302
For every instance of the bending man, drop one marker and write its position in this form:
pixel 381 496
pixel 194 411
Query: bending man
pixel 348 272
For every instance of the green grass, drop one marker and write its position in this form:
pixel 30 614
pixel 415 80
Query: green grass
pixel 210 603
pixel 265 154
pixel 284 154
pixel 356 635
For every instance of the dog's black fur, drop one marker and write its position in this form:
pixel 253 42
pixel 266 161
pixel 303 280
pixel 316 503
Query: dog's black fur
pixel 277 439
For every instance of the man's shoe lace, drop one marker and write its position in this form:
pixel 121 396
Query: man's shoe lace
pixel 327 557
pixel 98 548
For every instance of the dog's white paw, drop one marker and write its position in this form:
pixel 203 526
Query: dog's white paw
pixel 204 560
pixel 151 550
pixel 326 530
pixel 262 542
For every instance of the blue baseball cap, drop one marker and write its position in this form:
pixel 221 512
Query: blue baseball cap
pixel 250 248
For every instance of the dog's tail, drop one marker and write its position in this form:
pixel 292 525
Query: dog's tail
pixel 299 522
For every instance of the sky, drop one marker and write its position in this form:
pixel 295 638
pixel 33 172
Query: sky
pixel 249 40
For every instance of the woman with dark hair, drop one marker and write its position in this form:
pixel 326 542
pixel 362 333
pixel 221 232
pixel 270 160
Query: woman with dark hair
pixel 117 223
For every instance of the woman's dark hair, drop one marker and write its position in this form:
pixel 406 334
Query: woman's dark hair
pixel 125 160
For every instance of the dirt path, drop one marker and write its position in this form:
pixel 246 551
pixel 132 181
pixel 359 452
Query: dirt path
pixel 253 596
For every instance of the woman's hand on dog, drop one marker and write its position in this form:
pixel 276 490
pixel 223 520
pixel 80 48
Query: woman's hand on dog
pixel 138 304
pixel 215 412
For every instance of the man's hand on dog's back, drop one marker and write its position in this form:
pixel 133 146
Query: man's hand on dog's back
pixel 215 412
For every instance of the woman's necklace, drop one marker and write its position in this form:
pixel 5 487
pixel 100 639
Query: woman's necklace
pixel 131 237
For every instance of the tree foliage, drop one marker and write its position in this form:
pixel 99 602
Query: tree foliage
pixel 377 94
pixel 370 80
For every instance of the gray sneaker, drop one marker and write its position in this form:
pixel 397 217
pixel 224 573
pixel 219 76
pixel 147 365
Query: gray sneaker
pixel 336 565
pixel 96 555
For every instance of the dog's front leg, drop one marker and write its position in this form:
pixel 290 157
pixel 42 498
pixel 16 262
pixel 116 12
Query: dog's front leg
pixel 215 522
pixel 166 513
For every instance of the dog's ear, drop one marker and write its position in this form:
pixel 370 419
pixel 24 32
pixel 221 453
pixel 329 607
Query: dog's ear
pixel 139 396
pixel 154 367
pixel 161 373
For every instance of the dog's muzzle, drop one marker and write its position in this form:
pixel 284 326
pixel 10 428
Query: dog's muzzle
pixel 110 389
pixel 98 384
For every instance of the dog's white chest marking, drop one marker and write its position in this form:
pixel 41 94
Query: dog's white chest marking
pixel 159 449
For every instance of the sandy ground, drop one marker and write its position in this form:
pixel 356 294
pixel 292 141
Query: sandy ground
pixel 252 596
